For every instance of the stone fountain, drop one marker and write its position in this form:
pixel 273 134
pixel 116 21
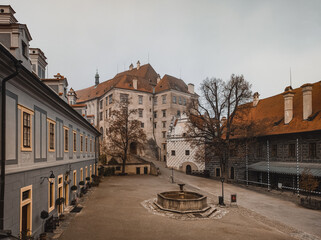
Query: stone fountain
pixel 182 201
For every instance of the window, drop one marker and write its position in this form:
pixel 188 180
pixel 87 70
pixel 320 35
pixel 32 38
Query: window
pixel 81 174
pixel 75 177
pixel 180 100
pixel 164 124
pixel 155 125
pixel 233 152
pixel 101 104
pixel 178 113
pixel 140 112
pixel 218 172
pixel 66 137
pixel 110 98
pixel 91 146
pixel 155 100
pixel 75 141
pixel 292 150
pixel 109 112
pixel 187 152
pixel 51 196
pixel 106 113
pixel 174 99
pixel 24 49
pixel 26 128
pixel 164 99
pixel 164 113
pixel 86 144
pixel 142 125
pixel 173 152
pixel 312 150
pixel 81 143
pixel 164 146
pixel 184 101
pixel 155 114
pixel 164 134
pixel 274 150
pixel 101 116
pixel 86 173
pixel 106 99
pixel 140 99
pixel 259 151
pixel 123 98
pixel 51 134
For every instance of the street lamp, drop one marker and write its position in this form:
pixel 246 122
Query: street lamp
pixel 222 181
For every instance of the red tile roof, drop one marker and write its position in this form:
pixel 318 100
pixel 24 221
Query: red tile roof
pixel 146 81
pixel 170 82
pixel 268 115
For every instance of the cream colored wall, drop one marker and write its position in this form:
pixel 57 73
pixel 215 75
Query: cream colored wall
pixel 131 169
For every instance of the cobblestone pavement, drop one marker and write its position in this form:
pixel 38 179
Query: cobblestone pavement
pixel 115 210
pixel 122 208
pixel 306 222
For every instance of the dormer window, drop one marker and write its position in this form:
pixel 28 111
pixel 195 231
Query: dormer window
pixel 24 49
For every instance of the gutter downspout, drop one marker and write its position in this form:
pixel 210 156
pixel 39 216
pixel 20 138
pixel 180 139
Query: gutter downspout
pixel 3 139
pixel 158 148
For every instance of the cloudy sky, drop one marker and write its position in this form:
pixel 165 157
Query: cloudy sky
pixel 189 39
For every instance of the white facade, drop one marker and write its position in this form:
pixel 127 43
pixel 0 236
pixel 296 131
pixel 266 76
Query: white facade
pixel 181 153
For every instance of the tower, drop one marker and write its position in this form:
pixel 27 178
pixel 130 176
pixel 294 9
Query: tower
pixel 96 78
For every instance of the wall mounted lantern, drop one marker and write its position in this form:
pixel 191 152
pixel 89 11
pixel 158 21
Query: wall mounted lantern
pixel 50 179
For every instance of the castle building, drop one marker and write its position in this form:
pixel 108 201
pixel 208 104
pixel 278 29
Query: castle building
pixel 157 99
pixel 46 146
pixel 284 142
pixel 182 155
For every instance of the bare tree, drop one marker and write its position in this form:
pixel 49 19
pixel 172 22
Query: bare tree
pixel 213 119
pixel 123 130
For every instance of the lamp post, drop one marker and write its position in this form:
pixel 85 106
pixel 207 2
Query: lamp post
pixel 222 181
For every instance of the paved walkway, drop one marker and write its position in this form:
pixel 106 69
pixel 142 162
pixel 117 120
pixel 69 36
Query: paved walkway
pixel 114 211
pixel 273 208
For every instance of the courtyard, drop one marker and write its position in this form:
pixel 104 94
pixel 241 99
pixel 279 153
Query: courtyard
pixel 115 211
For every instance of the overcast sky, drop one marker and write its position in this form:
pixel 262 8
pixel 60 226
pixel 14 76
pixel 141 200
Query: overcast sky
pixel 188 39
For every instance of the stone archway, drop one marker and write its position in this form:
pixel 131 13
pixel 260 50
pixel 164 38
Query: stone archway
pixel 133 148
pixel 188 169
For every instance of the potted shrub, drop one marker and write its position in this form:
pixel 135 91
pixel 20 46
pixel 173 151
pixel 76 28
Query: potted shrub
pixel 43 215
pixel 82 183
pixel 60 201
pixel 73 188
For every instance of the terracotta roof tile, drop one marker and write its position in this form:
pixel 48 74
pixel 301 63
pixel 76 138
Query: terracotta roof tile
pixel 145 75
pixel 146 81
pixel 169 82
pixel 268 115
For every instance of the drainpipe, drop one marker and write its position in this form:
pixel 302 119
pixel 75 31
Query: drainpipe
pixel 3 139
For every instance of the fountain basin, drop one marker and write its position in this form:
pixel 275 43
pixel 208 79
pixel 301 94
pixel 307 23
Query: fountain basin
pixel 182 202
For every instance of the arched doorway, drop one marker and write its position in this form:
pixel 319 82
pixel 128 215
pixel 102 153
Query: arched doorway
pixel 232 173
pixel 188 169
pixel 133 148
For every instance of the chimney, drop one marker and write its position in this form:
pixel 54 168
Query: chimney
pixel 131 66
pixel 96 78
pixel 288 104
pixel 191 88
pixel 158 78
pixel 135 83
pixel 138 65
pixel 307 100
pixel 223 120
pixel 256 96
